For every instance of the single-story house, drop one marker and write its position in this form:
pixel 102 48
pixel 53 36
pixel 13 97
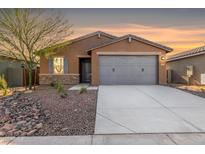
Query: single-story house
pixel 101 58
pixel 188 66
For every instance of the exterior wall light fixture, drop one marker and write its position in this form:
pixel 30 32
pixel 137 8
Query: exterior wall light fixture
pixel 162 58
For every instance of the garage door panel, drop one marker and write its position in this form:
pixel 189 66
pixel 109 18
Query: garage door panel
pixel 106 80
pixel 148 80
pixel 122 60
pixel 107 60
pixel 128 69
pixel 126 74
pixel 105 74
pixel 148 69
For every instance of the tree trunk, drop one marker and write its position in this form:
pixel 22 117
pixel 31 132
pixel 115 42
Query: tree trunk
pixel 24 76
pixel 34 85
pixel 30 78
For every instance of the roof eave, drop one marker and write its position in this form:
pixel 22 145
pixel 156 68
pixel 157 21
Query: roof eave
pixel 189 53
pixel 92 34
pixel 167 49
pixel 185 56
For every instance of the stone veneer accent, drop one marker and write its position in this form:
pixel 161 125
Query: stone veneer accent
pixel 64 78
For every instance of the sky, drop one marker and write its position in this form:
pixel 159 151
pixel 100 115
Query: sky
pixel 180 29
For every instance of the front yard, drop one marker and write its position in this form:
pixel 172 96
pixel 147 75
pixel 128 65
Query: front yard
pixel 193 89
pixel 45 112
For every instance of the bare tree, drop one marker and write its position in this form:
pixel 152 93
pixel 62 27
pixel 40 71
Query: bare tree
pixel 25 31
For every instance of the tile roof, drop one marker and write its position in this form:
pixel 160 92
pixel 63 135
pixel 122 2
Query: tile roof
pixel 79 39
pixel 186 54
pixel 132 37
pixel 92 34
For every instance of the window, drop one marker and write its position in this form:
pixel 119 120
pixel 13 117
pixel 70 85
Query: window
pixel 58 65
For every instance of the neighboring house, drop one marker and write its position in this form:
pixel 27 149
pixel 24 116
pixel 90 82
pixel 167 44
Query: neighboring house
pixel 11 68
pixel 181 64
pixel 101 58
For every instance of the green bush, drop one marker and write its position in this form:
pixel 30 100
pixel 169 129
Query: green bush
pixel 3 85
pixel 59 87
pixel 5 92
pixel 82 90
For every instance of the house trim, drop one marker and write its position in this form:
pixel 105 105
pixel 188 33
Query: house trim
pixel 185 56
pixel 132 37
pixel 129 53
pixel 57 74
pixel 91 35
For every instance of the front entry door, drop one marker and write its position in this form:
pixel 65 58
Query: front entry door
pixel 85 70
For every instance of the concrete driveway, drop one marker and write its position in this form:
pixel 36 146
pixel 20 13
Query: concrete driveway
pixel 148 109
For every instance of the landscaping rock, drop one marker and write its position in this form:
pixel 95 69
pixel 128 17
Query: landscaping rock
pixel 7 127
pixel 2 133
pixel 24 134
pixel 64 129
pixel 64 95
pixel 20 115
pixel 39 126
pixel 17 133
pixel 74 115
pixel 45 112
pixel 31 132
pixel 20 123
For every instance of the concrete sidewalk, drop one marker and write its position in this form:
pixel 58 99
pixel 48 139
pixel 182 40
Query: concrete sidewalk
pixel 123 139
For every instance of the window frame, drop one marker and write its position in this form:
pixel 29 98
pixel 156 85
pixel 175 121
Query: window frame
pixel 54 72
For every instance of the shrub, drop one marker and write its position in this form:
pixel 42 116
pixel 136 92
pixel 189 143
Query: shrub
pixel 5 92
pixel 203 90
pixel 59 87
pixel 82 90
pixel 3 85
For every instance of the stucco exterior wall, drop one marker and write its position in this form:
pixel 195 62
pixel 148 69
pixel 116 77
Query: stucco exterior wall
pixel 73 52
pixel 125 46
pixel 178 68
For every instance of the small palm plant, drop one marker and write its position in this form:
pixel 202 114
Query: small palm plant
pixel 3 85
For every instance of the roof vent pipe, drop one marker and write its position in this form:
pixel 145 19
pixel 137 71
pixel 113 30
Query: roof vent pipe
pixel 99 35
pixel 129 39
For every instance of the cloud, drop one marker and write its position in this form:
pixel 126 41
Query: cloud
pixel 177 38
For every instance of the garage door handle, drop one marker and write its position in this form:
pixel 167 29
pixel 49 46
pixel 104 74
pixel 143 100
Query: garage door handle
pixel 113 69
pixel 142 69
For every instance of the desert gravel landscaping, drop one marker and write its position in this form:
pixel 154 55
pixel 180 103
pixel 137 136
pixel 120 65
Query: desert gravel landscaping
pixel 193 89
pixel 45 112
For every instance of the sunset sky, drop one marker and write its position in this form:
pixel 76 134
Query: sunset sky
pixel 180 29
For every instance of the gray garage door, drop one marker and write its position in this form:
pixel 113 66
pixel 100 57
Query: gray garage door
pixel 126 70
